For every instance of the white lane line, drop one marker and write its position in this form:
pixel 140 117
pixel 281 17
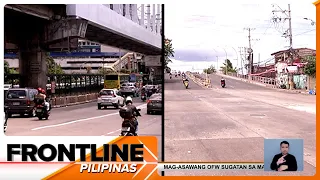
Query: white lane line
pixel 112 132
pixel 81 120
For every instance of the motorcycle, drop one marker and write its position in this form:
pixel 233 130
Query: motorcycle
pixel 143 97
pixel 186 84
pixel 41 112
pixel 128 128
pixel 223 83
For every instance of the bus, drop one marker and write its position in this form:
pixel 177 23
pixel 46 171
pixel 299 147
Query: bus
pixel 113 81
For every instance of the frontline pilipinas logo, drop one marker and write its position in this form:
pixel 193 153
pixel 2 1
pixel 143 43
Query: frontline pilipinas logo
pixel 123 158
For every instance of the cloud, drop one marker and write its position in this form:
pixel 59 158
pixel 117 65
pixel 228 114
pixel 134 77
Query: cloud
pixel 198 28
pixel 194 55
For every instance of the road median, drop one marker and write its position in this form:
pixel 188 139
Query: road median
pixel 57 102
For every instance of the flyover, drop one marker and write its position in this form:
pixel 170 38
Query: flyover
pixel 38 29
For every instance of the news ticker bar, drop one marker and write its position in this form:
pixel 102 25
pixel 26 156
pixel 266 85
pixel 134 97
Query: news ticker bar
pixel 177 166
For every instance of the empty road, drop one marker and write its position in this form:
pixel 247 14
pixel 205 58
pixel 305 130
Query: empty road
pixel 230 124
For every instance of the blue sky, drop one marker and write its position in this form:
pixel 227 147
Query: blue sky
pixel 202 31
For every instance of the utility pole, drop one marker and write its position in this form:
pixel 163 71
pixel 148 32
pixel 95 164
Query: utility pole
pixel 242 58
pixel 287 34
pixel 250 68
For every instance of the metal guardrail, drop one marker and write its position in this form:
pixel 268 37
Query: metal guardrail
pixel 66 84
pixel 258 79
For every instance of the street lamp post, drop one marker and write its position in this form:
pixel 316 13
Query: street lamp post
pixel 226 61
pixel 217 59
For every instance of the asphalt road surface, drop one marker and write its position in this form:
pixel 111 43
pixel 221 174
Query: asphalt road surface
pixel 229 124
pixel 84 120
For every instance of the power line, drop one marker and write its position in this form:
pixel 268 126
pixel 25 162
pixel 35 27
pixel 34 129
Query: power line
pixel 250 51
pixel 286 34
pixel 304 32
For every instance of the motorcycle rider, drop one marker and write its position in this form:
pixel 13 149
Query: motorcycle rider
pixel 185 79
pixel 222 81
pixel 42 96
pixel 135 112
pixel 143 92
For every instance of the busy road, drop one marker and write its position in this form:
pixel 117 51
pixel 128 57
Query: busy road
pixel 229 124
pixel 84 120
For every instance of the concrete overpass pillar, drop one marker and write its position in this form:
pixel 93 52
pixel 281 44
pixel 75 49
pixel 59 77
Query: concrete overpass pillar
pixel 142 16
pixel 158 18
pixel 148 17
pixel 116 8
pixel 127 11
pixel 33 68
pixel 154 18
pixel 134 9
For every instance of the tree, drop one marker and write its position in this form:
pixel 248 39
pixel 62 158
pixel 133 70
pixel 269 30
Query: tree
pixel 105 71
pixel 310 67
pixel 168 52
pixel 8 70
pixel 53 67
pixel 125 71
pixel 228 66
pixel 210 70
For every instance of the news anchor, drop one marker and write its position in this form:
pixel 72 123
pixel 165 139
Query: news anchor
pixel 284 161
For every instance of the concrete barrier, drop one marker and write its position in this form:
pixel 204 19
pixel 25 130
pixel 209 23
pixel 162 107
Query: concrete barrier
pixel 65 101
pixel 260 81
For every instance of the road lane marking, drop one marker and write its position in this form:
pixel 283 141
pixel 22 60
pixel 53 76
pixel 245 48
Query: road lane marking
pixel 112 132
pixel 143 106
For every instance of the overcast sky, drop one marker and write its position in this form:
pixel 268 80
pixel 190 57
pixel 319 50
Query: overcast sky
pixel 202 31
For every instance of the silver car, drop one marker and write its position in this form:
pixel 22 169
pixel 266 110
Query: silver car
pixel 128 89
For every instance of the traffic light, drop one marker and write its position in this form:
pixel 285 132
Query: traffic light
pixel 141 73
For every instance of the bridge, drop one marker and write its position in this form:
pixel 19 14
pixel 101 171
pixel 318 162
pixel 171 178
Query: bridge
pixel 34 30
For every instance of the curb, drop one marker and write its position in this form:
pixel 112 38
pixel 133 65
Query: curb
pixel 73 104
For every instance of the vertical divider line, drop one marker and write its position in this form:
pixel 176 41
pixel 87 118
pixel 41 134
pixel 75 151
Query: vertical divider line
pixel 163 86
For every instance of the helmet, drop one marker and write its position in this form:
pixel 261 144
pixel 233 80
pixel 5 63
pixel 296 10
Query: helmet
pixel 39 90
pixel 129 99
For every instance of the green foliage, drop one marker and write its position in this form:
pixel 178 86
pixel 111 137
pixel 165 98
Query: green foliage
pixel 105 71
pixel 310 67
pixel 210 70
pixel 125 71
pixel 8 70
pixel 53 67
pixel 229 67
pixel 168 52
